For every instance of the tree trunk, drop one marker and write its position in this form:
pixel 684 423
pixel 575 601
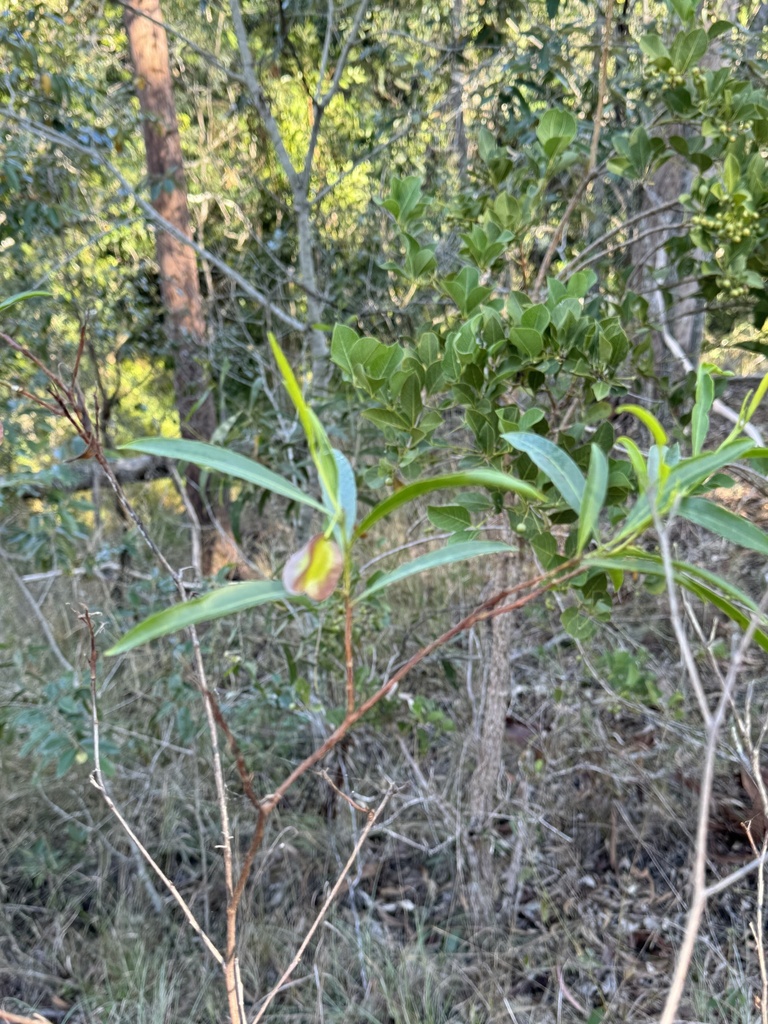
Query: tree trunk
pixel 483 786
pixel 684 321
pixel 180 287
pixel 318 345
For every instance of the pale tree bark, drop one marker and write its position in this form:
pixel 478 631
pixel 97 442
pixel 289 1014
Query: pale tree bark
pixel 455 97
pixel 299 177
pixel 180 288
pixel 483 786
pixel 683 322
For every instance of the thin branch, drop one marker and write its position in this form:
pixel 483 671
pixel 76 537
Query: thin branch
pixel 602 85
pixel 628 222
pixel 41 619
pixel 736 876
pixel 98 781
pixel 677 624
pixel 549 255
pixel 258 97
pixel 326 52
pixel 372 817
pixel 58 138
pixel 701 892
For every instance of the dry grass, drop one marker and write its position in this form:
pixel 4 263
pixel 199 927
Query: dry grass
pixel 591 834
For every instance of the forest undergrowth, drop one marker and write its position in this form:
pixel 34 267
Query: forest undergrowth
pixel 591 831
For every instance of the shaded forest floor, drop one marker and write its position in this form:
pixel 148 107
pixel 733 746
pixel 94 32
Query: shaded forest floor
pixel 590 840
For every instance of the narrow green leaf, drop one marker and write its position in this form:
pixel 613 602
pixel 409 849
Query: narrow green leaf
pixel 650 421
pixel 444 556
pixel 493 479
pixel 554 463
pixel 236 597
pixel 757 399
pixel 347 492
pixel 221 460
pixel 705 396
pixel 689 473
pixel 21 297
pixel 727 607
pixel 593 498
pixel 319 445
pixel 724 523
pixel 636 459
pixel 650 564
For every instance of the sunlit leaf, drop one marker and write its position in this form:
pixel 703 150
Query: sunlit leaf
pixel 650 421
pixel 317 439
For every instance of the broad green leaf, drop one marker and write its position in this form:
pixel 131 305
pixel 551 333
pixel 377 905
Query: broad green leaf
pixel 593 498
pixel 688 48
pixel 653 47
pixel 342 342
pixel 724 523
pixel 21 297
pixel 444 556
pixel 705 396
pixel 577 624
pixel 556 131
pixel 236 597
pixel 554 463
pixel 650 421
pixel 221 460
pixel 449 517
pixel 319 445
pixel 683 8
pixel 493 479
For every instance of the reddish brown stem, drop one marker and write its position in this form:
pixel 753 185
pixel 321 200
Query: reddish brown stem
pixel 348 654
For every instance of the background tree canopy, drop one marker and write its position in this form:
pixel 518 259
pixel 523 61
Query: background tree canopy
pixel 374 253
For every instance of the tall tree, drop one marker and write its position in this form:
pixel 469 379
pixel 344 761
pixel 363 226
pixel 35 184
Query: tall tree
pixel 180 288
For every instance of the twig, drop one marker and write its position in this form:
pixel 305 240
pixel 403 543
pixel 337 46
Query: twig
pixel 700 892
pixel 549 255
pixel 602 84
pixel 373 815
pixel 757 927
pixel 41 619
pixel 59 139
pixel 18 1018
pixel 677 624
pixel 98 781
pixel 194 522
